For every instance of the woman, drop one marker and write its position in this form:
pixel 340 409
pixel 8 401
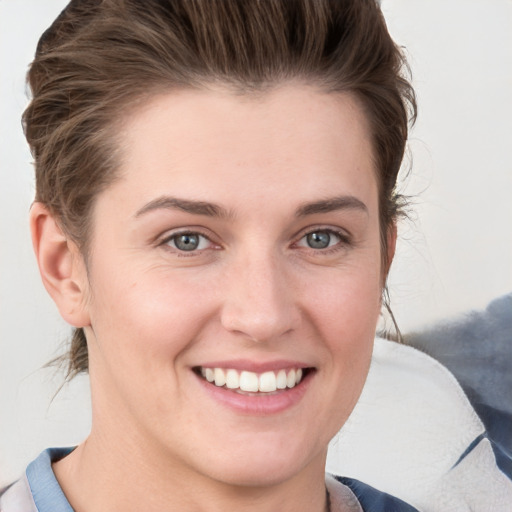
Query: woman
pixel 216 216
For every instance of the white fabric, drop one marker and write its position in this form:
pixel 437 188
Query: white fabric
pixel 410 427
pixel 18 498
pixel 342 499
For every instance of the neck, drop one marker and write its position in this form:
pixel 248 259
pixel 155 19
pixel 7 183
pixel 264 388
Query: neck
pixel 100 475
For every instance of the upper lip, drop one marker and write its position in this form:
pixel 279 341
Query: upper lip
pixel 255 366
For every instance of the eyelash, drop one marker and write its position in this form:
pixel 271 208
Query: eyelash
pixel 344 240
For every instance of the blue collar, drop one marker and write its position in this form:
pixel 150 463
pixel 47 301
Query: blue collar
pixel 46 491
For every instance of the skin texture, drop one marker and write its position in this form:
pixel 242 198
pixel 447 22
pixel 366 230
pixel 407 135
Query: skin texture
pixel 253 291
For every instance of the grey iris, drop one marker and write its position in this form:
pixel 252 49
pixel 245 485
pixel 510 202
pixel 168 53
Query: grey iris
pixel 187 242
pixel 318 240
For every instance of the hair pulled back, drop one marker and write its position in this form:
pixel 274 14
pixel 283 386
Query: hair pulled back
pixel 101 58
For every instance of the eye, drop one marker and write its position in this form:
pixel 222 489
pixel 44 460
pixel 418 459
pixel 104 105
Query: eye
pixel 188 242
pixel 320 239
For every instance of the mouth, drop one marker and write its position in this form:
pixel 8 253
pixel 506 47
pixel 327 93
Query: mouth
pixel 252 383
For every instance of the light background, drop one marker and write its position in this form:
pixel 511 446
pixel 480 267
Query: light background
pixel 455 254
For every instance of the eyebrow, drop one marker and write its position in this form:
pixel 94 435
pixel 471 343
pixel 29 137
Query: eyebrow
pixel 330 205
pixel 186 205
pixel 214 210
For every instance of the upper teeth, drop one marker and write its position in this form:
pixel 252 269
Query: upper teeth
pixel 249 381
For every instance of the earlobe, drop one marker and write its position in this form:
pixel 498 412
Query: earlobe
pixel 61 266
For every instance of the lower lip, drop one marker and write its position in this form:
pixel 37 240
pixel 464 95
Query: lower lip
pixel 258 404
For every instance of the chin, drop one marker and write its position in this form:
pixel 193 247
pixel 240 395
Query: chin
pixel 264 466
pixel 252 474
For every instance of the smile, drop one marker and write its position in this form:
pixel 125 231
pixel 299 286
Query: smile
pixel 251 382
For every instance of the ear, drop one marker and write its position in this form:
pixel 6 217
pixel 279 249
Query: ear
pixel 391 237
pixel 61 266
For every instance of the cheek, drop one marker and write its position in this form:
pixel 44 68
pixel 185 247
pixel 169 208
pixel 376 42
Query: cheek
pixel 348 302
pixel 150 318
pixel 345 312
pixel 141 328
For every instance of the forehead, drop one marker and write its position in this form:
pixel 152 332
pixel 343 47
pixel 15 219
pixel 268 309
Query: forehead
pixel 294 139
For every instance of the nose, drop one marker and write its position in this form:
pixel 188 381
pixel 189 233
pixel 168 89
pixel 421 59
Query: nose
pixel 259 300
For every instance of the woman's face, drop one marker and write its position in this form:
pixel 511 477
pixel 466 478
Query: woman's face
pixel 241 242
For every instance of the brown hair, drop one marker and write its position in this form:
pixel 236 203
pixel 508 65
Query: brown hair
pixel 101 58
